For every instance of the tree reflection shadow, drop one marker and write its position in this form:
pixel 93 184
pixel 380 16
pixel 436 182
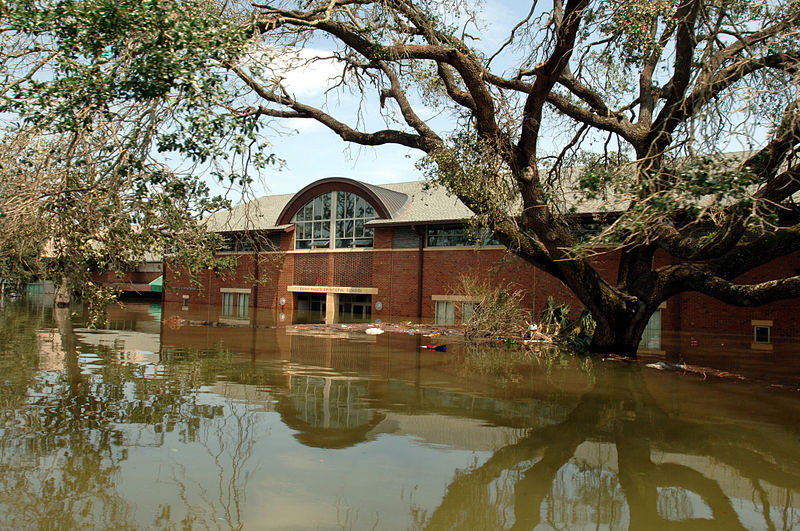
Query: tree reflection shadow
pixel 59 460
pixel 228 442
pixel 66 432
pixel 619 461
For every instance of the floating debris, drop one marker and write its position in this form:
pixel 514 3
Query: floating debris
pixel 438 347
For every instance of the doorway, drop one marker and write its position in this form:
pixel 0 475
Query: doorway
pixel 355 308
pixel 310 308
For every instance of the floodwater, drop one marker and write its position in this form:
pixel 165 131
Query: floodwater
pixel 168 425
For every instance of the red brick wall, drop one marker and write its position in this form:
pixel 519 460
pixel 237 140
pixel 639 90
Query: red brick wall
pixel 697 312
pixel 311 269
pixel 395 275
pixel 135 277
pixel 353 269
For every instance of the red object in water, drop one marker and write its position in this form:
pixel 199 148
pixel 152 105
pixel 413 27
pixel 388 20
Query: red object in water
pixel 438 347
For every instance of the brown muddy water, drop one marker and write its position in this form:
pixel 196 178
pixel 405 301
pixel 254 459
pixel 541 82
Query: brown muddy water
pixel 160 425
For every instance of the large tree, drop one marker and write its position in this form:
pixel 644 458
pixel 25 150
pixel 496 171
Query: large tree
pixel 625 104
pixel 629 108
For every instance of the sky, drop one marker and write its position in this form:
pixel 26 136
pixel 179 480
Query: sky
pixel 313 152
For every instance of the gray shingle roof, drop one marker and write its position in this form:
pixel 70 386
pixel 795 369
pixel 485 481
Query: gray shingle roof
pixel 414 202
pixel 392 199
pixel 259 214
pixel 425 205
pixel 408 201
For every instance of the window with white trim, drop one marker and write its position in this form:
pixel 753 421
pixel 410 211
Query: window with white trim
pixel 243 305
pixel 761 334
pixel 235 303
pixel 458 236
pixel 317 221
pixel 227 304
pixel 651 337
pixel 445 312
pixel 467 311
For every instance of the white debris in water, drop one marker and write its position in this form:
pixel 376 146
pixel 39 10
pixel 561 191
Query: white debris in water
pixel 666 366
pixel 373 331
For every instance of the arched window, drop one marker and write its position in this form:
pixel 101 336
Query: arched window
pixel 338 214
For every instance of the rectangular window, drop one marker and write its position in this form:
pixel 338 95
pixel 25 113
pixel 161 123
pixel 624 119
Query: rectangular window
pixel 236 242
pixel 244 244
pixel 447 237
pixel 242 305
pixel 227 244
pixel 651 338
pixel 227 304
pixel 761 334
pixel 354 307
pixel 459 236
pixel 445 312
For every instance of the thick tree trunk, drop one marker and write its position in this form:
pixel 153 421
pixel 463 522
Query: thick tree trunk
pixel 618 334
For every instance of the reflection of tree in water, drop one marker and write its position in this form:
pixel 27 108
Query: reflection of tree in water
pixel 65 434
pixel 19 354
pixel 228 442
pixel 59 460
pixel 548 478
pixel 585 493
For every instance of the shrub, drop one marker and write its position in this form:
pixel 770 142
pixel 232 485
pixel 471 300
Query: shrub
pixel 497 311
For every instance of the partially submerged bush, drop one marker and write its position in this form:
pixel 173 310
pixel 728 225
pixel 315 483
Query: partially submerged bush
pixel 573 334
pixel 551 363
pixel 497 312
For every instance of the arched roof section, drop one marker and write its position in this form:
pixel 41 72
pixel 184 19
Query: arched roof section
pixel 385 202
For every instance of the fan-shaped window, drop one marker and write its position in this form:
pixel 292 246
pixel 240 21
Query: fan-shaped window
pixel 319 226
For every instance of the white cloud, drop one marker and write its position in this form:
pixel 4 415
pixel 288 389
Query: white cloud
pixel 305 73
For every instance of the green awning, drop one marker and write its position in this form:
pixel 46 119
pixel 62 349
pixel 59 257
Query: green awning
pixel 157 286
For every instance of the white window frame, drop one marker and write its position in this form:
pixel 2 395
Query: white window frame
pixel 762 324
pixel 323 233
pixel 235 303
pixel 227 304
pixel 444 312
pixel 755 334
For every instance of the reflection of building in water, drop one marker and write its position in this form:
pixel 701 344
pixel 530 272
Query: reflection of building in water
pixel 51 350
pixel 335 349
pixel 453 432
pixel 394 377
pixel 128 346
pixel 328 411
pixel 132 332
pixel 336 412
pixel 330 402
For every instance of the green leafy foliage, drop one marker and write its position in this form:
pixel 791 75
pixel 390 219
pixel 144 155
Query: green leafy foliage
pixel 573 334
pixel 102 102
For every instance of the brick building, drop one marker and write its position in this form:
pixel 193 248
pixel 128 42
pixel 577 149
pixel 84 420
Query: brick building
pixel 344 250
